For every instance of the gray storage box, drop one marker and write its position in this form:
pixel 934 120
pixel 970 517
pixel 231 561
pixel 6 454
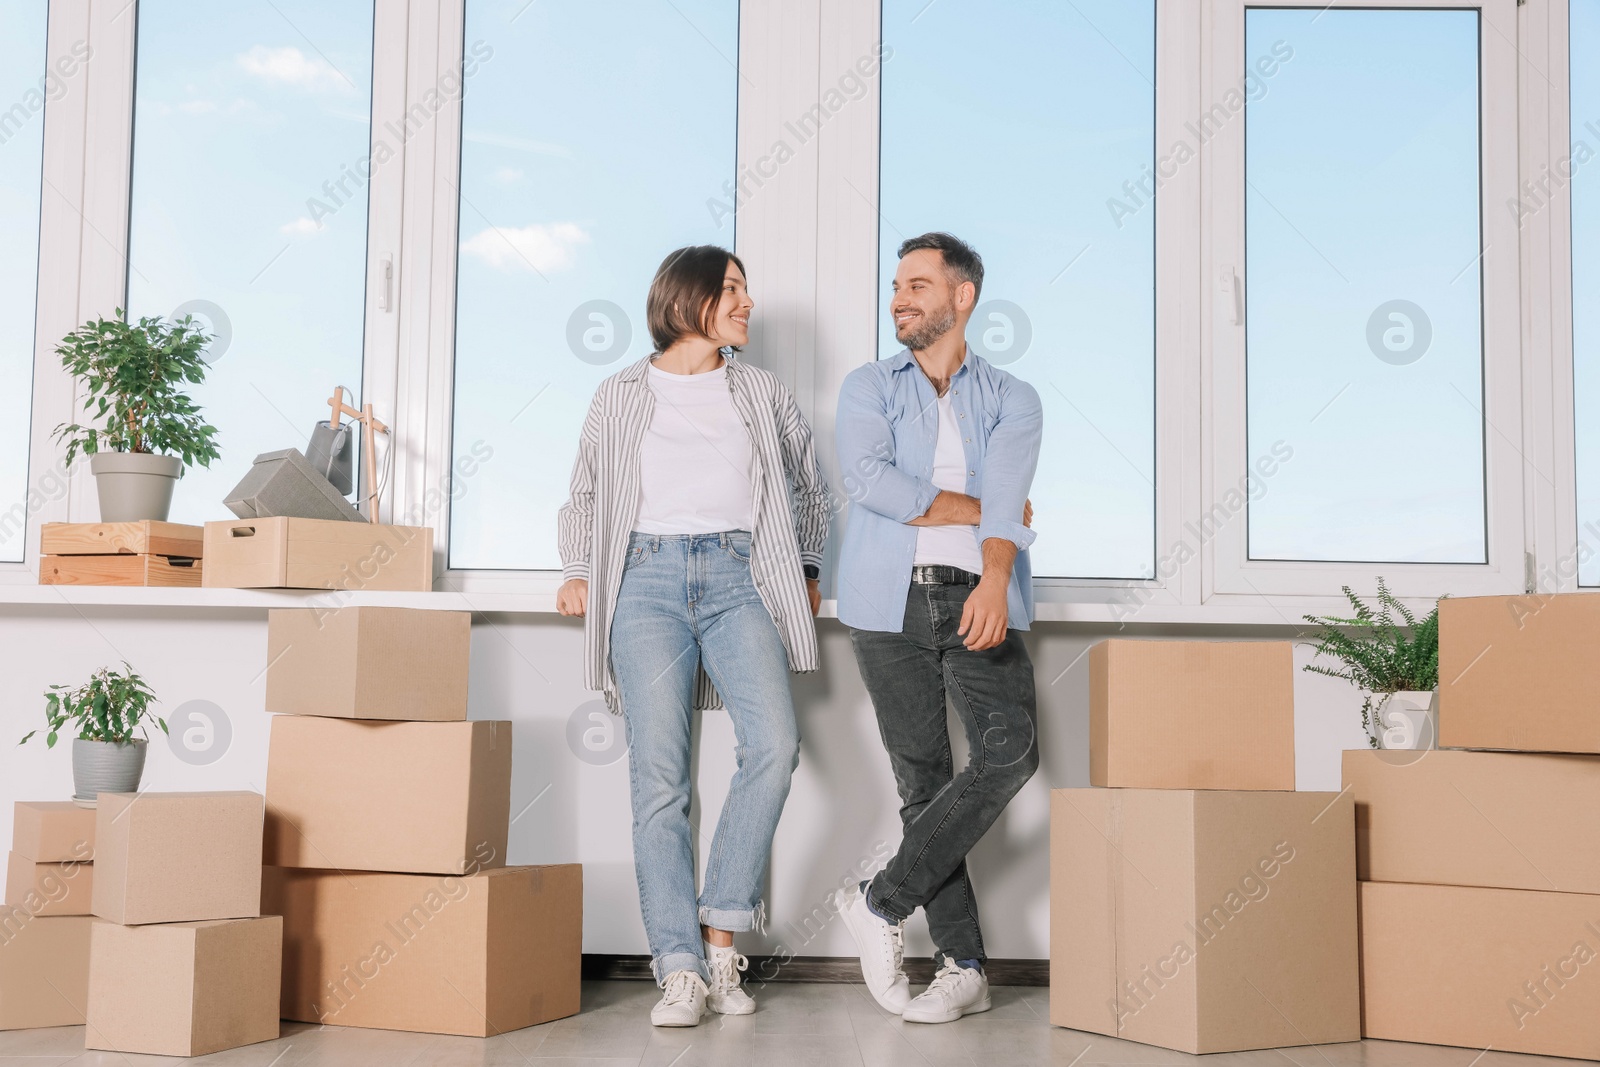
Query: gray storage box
pixel 284 483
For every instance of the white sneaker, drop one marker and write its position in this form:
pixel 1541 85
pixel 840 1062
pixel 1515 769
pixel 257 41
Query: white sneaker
pixel 683 1001
pixel 882 947
pixel 954 992
pixel 725 996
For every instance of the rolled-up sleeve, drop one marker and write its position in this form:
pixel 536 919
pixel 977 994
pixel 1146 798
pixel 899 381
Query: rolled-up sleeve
pixel 1009 462
pixel 865 441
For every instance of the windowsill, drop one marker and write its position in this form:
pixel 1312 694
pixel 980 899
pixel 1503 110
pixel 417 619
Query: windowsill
pixel 1282 612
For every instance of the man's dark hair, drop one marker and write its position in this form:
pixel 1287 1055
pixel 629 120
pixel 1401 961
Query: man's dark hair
pixel 684 295
pixel 959 257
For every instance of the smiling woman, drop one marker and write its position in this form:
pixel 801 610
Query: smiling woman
pixel 251 158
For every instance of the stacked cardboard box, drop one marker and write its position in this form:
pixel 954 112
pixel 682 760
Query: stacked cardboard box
pixel 1197 902
pixel 181 960
pixel 387 818
pixel 44 925
pixel 1480 891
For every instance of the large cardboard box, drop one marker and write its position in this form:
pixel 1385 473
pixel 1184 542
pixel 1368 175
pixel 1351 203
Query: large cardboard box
pixel 1191 714
pixel 1520 672
pixel 52 831
pixel 418 797
pixel 177 857
pixel 44 969
pixel 1509 819
pixel 287 553
pixel 49 888
pixel 1482 968
pixel 184 989
pixel 1204 920
pixel 368 663
pixel 479 955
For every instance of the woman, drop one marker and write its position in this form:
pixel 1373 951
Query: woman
pixel 698 514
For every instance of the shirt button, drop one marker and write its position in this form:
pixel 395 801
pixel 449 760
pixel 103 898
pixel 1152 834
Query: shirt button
pixel 972 474
pixel 960 416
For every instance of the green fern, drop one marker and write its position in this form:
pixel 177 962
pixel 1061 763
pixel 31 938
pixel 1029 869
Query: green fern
pixel 1388 650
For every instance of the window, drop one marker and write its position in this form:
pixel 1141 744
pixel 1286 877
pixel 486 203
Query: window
pixel 1584 28
pixel 1041 120
pixel 596 138
pixel 251 159
pixel 24 86
pixel 1364 311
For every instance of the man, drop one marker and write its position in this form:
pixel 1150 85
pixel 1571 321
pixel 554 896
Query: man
pixel 937 449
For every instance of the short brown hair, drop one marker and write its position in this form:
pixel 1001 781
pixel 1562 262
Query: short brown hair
pixel 683 297
pixel 960 258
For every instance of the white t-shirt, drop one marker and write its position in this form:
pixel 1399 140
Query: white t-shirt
pixel 696 459
pixel 953 546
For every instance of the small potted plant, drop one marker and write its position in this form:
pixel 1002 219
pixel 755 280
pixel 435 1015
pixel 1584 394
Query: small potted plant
pixel 1393 657
pixel 134 375
pixel 106 711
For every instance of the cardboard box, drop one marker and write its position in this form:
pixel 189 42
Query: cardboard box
pixel 146 537
pixel 1519 672
pixel 368 663
pixel 177 857
pixel 1480 968
pixel 1508 819
pixel 1204 921
pixel 287 553
pixel 476 956
pixel 417 797
pixel 52 831
pixel 49 888
pixel 184 989
pixel 1191 714
pixel 44 969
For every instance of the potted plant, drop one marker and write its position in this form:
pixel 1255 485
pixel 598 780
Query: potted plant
pixel 1393 657
pixel 151 428
pixel 106 711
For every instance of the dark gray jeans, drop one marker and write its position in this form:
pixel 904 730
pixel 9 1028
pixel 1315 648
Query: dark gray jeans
pixel 943 814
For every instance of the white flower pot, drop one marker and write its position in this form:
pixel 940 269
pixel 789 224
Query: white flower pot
pixel 134 485
pixel 1406 720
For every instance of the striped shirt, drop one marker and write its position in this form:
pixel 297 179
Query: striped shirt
pixel 790 503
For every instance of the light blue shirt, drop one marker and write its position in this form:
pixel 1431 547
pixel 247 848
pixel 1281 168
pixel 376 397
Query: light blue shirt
pixel 887 428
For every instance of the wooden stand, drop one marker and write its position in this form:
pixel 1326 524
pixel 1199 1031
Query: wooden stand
pixel 120 553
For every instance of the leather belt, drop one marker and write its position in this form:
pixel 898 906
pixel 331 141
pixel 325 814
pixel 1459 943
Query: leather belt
pixel 941 574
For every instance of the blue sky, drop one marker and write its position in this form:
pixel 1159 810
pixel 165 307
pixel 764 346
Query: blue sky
pixel 1363 171
pixel 243 111
pixel 593 137
pixel 22 65
pixel 1012 126
pixel 1585 80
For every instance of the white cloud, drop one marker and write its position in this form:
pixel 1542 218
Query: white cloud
pixel 543 248
pixel 290 66
pixel 521 144
pixel 505 175
pixel 300 227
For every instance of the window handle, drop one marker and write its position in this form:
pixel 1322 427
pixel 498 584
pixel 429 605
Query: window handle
pixel 386 283
pixel 1228 290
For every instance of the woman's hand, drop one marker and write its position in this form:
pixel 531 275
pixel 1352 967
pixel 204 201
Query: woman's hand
pixel 573 597
pixel 814 592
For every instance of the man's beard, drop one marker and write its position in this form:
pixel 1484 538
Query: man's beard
pixel 919 338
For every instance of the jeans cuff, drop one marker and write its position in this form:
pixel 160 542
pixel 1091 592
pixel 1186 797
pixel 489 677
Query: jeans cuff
pixel 662 966
pixel 883 907
pixel 735 920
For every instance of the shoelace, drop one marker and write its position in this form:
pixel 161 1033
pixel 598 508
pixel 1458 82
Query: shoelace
pixel 947 979
pixel 725 971
pixel 897 938
pixel 680 987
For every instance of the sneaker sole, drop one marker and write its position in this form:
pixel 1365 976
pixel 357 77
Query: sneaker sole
pixel 980 1006
pixel 657 1022
pixel 744 1009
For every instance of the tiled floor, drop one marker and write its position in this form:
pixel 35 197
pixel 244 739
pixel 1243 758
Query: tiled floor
pixel 826 1025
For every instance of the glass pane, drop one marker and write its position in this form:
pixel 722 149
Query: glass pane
pixel 22 68
pixel 251 156
pixel 596 139
pixel 1051 181
pixel 1585 173
pixel 1365 347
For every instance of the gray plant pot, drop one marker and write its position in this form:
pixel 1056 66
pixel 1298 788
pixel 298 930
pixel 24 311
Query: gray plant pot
pixel 134 485
pixel 105 767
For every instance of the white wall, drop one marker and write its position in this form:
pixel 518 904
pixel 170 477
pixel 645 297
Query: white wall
pixel 525 668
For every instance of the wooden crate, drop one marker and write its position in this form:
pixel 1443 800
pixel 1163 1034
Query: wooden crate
pixel 121 538
pixel 126 569
pixel 292 553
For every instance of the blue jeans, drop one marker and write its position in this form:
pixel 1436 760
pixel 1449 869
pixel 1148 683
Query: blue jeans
pixel 688 601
